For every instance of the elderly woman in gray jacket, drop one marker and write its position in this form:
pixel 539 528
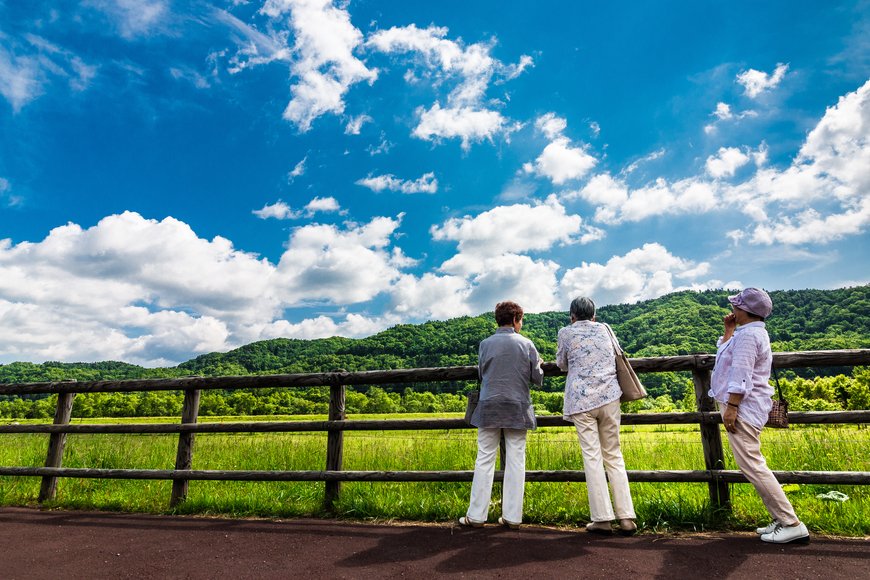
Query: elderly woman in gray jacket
pixel 507 363
pixel 586 350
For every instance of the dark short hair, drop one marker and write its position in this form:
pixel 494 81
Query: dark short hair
pixel 507 313
pixel 582 308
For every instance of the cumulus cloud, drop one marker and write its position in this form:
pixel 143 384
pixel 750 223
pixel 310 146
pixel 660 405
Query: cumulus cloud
pixel 559 162
pixel 723 113
pixel 833 166
pixel 321 59
pixel 344 266
pixel 424 184
pixel 756 82
pixel 812 227
pixel 281 211
pixel 641 274
pixel 617 203
pixel 154 293
pixel 510 229
pixel 790 205
pixel 470 68
pixel 468 124
pixel 726 162
pixel 431 296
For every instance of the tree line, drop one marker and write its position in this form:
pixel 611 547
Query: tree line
pixel 677 324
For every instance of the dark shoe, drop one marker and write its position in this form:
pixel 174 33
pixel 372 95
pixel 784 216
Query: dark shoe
pixel 464 522
pixel 627 527
pixel 599 528
pixel 507 524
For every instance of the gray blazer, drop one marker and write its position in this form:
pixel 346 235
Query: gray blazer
pixel 507 363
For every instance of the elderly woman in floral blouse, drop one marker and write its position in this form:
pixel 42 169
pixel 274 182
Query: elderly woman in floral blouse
pixel 592 393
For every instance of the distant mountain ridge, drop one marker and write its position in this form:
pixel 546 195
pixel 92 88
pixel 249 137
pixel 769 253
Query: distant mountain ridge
pixel 680 323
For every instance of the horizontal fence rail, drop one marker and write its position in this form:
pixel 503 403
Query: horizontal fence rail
pixel 691 362
pixel 700 365
pixel 660 476
pixel 688 418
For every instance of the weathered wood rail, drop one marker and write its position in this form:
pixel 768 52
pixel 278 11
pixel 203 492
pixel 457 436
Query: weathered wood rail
pixel 706 417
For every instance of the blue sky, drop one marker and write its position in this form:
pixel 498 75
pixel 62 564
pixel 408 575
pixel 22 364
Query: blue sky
pixel 179 178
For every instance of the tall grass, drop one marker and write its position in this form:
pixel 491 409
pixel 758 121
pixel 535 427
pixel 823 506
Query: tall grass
pixel 660 506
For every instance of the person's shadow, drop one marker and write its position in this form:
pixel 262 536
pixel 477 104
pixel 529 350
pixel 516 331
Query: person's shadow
pixel 458 550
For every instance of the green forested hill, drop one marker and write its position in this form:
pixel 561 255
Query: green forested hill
pixel 680 323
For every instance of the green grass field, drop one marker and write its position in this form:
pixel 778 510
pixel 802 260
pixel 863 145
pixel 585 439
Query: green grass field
pixel 660 506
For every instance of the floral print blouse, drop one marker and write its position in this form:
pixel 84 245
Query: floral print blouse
pixel 586 352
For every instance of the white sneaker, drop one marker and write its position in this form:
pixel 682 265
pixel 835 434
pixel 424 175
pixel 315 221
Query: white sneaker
pixel 787 534
pixel 767 529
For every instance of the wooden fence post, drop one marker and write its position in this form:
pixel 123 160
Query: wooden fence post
pixel 56 443
pixel 184 455
pixel 334 443
pixel 711 441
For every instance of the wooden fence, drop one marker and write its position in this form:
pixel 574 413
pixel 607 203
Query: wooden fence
pixel 337 423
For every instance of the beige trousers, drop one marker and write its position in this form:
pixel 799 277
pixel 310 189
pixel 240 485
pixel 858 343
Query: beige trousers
pixel 598 432
pixel 746 448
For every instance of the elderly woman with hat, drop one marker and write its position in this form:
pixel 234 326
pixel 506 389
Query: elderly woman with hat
pixel 740 386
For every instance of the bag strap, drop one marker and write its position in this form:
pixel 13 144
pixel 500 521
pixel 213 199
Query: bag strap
pixel 776 380
pixel 615 342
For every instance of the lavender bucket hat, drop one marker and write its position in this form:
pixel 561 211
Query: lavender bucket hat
pixel 753 301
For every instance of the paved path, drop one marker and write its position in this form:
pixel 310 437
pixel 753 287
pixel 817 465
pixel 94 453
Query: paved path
pixel 38 544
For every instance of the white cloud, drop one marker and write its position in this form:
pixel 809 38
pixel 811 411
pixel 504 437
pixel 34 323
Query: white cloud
pixel 468 124
pixel 278 210
pixel 322 204
pixel 431 296
pixel 152 292
pixel 281 211
pixel 297 171
pixel 144 291
pixel 551 125
pixel 189 75
pixel 508 229
pixel 756 82
pixel 811 227
pixel 134 18
pixel 354 124
pixel 470 68
pixel 325 263
pixel 832 167
pixel 559 162
pixel 352 326
pixel 28 67
pixel 641 274
pixel 616 203
pixel 531 283
pixel 723 111
pixel 424 184
pixel 321 59
pixel 726 162
pixel 6 194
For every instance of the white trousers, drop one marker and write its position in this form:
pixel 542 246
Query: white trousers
pixel 598 432
pixel 484 470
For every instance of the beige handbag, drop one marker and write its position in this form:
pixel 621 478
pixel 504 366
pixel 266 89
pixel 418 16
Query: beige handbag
pixel 632 388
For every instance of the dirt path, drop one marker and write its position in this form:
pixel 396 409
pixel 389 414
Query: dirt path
pixel 38 544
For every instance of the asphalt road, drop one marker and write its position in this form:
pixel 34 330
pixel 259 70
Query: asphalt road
pixel 36 544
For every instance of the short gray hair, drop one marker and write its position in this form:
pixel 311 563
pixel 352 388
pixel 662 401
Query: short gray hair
pixel 582 308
